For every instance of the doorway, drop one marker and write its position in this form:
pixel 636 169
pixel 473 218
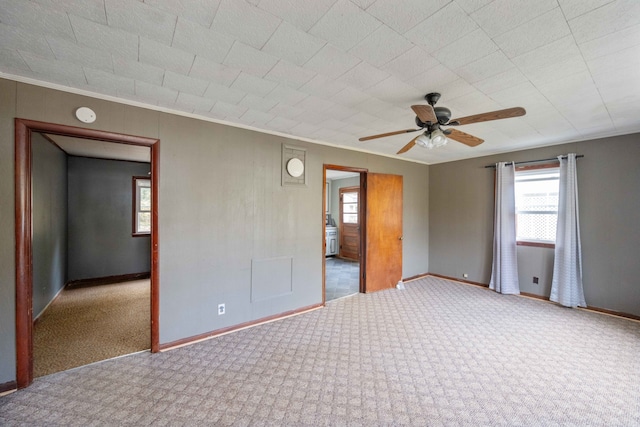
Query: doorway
pixel 24 231
pixel 343 240
pixel 91 269
pixel 378 210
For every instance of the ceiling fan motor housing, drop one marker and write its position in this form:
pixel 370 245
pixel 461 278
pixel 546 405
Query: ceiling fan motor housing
pixel 443 114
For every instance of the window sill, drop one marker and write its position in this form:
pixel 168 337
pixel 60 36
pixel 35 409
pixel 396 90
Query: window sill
pixel 140 234
pixel 536 244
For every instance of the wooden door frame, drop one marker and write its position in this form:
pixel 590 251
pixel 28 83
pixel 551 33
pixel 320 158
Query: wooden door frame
pixel 23 231
pixel 341 223
pixel 362 219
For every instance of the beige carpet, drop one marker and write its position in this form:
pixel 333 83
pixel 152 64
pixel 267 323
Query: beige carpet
pixel 439 353
pixel 86 325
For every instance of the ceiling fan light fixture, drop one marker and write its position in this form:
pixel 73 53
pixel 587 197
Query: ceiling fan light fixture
pixel 424 141
pixel 431 140
pixel 438 138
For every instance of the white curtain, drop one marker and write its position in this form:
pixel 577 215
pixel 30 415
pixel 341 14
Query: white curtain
pixel 504 272
pixel 566 286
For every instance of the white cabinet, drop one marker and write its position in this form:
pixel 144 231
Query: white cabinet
pixel 331 241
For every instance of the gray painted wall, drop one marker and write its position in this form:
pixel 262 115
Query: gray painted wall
pixel 222 210
pixel 49 205
pixel 461 221
pixel 100 219
pixel 243 215
pixel 8 96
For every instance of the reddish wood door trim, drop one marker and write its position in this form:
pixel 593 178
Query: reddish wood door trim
pixel 23 218
pixel 384 231
pixel 24 274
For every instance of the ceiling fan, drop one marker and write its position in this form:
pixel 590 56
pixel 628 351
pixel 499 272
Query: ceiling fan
pixel 430 118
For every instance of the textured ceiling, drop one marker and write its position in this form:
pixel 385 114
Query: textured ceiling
pixel 101 149
pixel 332 71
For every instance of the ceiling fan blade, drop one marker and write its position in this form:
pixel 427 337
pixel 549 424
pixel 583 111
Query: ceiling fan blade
pixel 382 135
pixel 425 113
pixel 463 137
pixel 492 115
pixel 409 146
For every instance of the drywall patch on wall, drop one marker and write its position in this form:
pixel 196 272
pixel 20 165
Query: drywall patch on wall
pixel 271 278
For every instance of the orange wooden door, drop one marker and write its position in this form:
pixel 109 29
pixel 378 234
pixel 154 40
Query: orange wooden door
pixel 350 223
pixel 383 262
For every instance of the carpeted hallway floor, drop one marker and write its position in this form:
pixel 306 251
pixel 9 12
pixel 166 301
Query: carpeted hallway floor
pixel 439 353
pixel 85 325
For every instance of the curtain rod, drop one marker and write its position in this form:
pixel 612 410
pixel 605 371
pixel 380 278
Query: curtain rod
pixel 535 161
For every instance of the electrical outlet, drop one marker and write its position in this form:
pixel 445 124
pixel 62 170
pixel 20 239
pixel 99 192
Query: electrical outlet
pixel 535 280
pixel 221 309
pixel 465 275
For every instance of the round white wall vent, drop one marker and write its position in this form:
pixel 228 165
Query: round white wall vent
pixel 86 115
pixel 295 167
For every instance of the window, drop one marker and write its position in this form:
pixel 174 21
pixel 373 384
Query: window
pixel 350 207
pixel 141 206
pixel 537 205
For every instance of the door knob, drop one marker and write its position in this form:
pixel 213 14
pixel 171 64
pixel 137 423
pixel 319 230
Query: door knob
pixel 400 238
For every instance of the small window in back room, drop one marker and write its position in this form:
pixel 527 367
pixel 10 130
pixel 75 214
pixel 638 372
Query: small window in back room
pixel 536 191
pixel 142 206
pixel 350 207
